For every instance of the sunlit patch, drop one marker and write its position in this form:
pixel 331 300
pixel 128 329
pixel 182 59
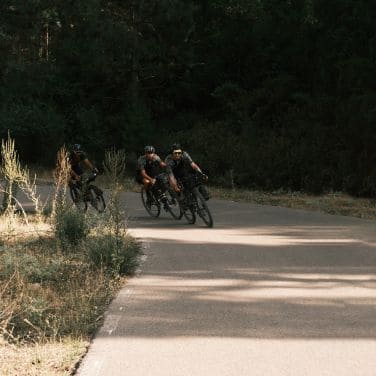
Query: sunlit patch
pixel 273 237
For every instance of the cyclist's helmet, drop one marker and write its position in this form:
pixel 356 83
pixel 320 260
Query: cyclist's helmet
pixel 175 146
pixel 149 149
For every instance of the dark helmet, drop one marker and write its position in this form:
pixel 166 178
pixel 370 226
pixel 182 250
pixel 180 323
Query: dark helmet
pixel 149 149
pixel 76 147
pixel 175 146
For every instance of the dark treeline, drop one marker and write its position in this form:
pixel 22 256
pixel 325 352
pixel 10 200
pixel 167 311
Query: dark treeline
pixel 276 94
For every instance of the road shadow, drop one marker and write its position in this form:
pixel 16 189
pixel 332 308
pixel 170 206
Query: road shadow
pixel 298 288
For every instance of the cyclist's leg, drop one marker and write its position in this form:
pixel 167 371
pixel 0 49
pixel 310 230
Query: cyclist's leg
pixel 148 189
pixel 76 178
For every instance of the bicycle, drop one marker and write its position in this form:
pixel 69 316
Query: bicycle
pixel 193 202
pixel 92 194
pixel 160 195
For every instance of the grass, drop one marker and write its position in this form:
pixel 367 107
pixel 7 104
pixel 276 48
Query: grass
pixel 52 300
pixel 58 271
pixel 331 203
pixel 48 295
pixel 47 359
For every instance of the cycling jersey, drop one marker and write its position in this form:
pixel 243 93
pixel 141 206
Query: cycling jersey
pixel 152 167
pixel 76 161
pixel 180 167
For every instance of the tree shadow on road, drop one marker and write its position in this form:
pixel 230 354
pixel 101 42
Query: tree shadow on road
pixel 272 282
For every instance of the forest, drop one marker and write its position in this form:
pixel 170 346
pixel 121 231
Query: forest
pixel 263 94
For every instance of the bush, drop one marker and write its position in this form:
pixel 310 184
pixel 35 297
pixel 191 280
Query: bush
pixel 71 227
pixel 118 255
pixel 31 268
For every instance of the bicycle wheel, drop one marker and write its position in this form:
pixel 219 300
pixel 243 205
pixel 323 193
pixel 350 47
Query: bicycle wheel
pixel 202 209
pixel 172 205
pixel 189 215
pixel 77 198
pixel 187 208
pixel 151 204
pixel 96 198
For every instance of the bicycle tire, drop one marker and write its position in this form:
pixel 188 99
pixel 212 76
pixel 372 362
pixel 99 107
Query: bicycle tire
pixel 97 199
pixel 189 214
pixel 187 208
pixel 172 205
pixel 202 208
pixel 76 197
pixel 153 207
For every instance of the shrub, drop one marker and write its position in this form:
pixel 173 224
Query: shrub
pixel 71 227
pixel 118 255
pixel 31 268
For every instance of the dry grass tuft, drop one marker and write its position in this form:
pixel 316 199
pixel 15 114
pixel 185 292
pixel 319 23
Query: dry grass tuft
pixel 46 359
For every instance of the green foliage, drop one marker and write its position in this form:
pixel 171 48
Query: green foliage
pixel 71 227
pixel 117 255
pixel 290 83
pixel 32 268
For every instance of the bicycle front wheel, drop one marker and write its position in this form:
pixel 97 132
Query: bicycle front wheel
pixel 151 204
pixel 172 205
pixel 202 208
pixel 96 199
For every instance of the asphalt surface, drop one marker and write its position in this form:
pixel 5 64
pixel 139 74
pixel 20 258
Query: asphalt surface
pixel 267 291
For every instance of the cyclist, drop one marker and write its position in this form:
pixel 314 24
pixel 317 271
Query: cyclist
pixel 79 162
pixel 149 166
pixel 179 164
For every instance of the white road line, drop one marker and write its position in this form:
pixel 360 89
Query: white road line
pixel 111 324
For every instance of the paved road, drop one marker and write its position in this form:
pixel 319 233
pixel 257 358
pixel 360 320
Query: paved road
pixel 267 291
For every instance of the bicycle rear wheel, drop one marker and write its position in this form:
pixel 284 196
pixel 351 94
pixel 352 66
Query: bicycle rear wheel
pixel 202 209
pixel 151 204
pixel 189 215
pixel 172 205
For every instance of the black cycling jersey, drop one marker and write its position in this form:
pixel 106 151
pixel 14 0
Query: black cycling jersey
pixel 181 167
pixel 76 161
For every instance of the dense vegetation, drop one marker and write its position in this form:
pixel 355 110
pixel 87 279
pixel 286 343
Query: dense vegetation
pixel 275 94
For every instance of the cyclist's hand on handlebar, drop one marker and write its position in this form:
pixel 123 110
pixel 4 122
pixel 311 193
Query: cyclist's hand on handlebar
pixel 153 181
pixel 204 177
pixel 95 171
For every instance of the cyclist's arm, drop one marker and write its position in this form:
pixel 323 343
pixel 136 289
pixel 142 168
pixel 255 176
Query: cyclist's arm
pixel 189 161
pixel 147 177
pixel 74 175
pixel 171 176
pixel 173 182
pixel 88 164
pixel 196 167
